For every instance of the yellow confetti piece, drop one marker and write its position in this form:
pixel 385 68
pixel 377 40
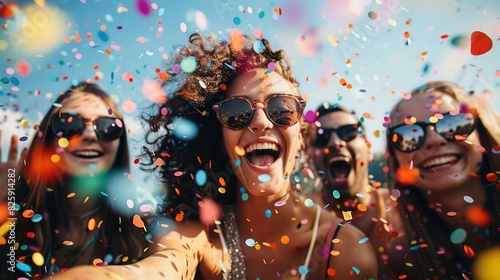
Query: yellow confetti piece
pixel 55 158
pixel 38 259
pixel 347 215
pixel 97 261
pixel 239 151
pixel 332 40
pixel 63 142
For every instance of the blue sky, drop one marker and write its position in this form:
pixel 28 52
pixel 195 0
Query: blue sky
pixel 360 41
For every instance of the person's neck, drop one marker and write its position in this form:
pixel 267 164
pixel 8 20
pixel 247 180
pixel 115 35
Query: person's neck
pixel 457 200
pixel 81 196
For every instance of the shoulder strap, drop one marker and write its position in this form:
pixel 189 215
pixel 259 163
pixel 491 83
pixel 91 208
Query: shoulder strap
pixel 313 240
pixel 332 234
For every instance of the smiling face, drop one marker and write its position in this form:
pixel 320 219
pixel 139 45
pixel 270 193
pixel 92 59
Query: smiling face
pixel 344 163
pixel 269 160
pixel 86 153
pixel 442 164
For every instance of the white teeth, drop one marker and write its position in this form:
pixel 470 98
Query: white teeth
pixel 439 161
pixel 261 146
pixel 340 158
pixel 87 153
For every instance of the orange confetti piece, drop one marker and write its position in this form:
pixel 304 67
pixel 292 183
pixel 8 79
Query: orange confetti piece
pixel 222 182
pixel 285 239
pixel 179 217
pixel 444 36
pixel 469 251
pixel 137 221
pixel 67 242
pixel 480 43
pixel 406 175
pixel 163 76
pixel 108 52
pixel 91 224
pixel 478 216
pixel 28 213
pixel 30 234
pixel 407 34
pixel 330 271
pixel 237 40
pixel 342 82
pixel 159 162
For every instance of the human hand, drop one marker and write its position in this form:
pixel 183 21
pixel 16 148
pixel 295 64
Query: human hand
pixel 13 162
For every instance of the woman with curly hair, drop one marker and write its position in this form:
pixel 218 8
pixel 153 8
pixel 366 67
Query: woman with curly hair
pixel 70 199
pixel 243 111
pixel 443 155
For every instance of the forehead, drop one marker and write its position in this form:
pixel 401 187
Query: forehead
pixel 256 85
pixel 85 103
pixel 336 119
pixel 426 104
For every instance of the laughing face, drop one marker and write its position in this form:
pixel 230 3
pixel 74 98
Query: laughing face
pixel 86 153
pixel 269 150
pixel 344 162
pixel 442 164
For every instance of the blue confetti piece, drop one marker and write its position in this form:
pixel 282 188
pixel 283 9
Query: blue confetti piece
pixel 14 81
pixel 264 178
pixel 414 247
pixel 201 177
pixel 363 240
pixel 23 267
pixel 250 242
pixel 268 213
pixel 356 270
pixel 36 218
pixel 303 270
pixel 103 36
pixel 237 20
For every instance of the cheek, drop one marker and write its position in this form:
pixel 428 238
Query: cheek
pixel 403 158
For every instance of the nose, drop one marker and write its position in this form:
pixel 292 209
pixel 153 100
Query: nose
pixel 335 141
pixel 433 139
pixel 260 120
pixel 89 132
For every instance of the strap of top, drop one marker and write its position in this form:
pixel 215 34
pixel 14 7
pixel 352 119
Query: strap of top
pixel 313 240
pixel 332 234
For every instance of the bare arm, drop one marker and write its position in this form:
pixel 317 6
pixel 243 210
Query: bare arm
pixel 177 259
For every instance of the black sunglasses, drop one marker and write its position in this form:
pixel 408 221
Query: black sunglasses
pixel 345 133
pixel 281 109
pixel 68 125
pixel 410 137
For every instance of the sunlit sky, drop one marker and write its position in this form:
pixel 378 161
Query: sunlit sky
pixel 381 48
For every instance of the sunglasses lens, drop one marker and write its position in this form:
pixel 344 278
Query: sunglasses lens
pixel 67 125
pixel 108 129
pixel 235 113
pixel 322 138
pixel 452 126
pixel 407 138
pixel 283 110
pixel 347 132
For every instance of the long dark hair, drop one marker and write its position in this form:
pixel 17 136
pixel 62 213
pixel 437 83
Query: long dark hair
pixel 38 191
pixel 190 96
pixel 422 224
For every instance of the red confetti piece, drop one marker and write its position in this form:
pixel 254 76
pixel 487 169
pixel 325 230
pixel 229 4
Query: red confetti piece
pixel 444 36
pixel 478 216
pixel 491 177
pixel 480 43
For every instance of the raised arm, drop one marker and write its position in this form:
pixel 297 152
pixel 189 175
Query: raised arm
pixel 179 254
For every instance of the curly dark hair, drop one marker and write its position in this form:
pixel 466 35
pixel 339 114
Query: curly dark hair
pixel 190 96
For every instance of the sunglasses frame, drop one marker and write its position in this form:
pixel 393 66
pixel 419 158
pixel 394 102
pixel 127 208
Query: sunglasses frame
pixel 301 102
pixel 81 129
pixel 423 126
pixel 329 131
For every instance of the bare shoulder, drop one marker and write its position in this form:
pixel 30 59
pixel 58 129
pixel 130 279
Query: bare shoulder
pixel 352 256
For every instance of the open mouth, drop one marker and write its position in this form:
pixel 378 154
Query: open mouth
pixel 262 154
pixel 339 167
pixel 87 154
pixel 439 162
